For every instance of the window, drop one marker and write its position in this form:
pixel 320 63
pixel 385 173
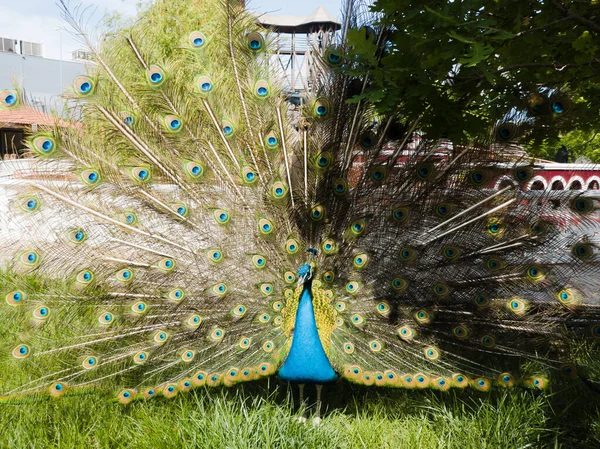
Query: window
pixel 575 185
pixel 7 45
pixel 537 185
pixel 11 143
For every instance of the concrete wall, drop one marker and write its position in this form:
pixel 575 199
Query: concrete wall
pixel 43 79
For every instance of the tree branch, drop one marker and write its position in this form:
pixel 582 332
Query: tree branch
pixel 582 20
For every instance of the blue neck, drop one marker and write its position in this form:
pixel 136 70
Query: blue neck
pixel 306 361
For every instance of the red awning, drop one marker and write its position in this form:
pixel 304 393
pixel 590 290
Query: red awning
pixel 26 115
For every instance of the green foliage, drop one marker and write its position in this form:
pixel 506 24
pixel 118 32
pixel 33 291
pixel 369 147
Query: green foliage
pixel 458 67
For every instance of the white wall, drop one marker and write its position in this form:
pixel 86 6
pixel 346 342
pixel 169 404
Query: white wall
pixel 43 79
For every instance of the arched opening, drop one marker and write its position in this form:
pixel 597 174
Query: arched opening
pixel 575 185
pixel 557 185
pixel 505 183
pixel 593 185
pixel 537 185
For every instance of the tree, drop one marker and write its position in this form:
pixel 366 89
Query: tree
pixel 459 67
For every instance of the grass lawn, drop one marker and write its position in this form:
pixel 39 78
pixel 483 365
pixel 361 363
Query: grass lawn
pixel 261 416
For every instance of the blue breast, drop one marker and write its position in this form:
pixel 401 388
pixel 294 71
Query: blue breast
pixel 307 361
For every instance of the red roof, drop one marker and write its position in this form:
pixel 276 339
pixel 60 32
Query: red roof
pixel 26 115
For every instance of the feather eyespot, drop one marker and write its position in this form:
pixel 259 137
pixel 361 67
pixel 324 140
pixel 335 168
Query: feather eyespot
pixel 222 216
pixel 460 380
pixel 249 176
pixel 478 177
pixel 536 273
pixel 9 98
pixel 227 128
pixel 90 177
pixel 424 171
pixel 328 276
pixel 125 275
pixel 383 308
pixel 255 42
pixel 21 351
pixel 523 174
pixel 57 389
pixel 160 337
pixel 357 320
pixel 155 76
pixel 262 89
pixel 41 313
pixel 378 173
pixel 352 287
pixel 30 203
pixel 84 86
pixel 517 306
pixel 323 160
pixel 264 318
pixel 43 145
pixel 423 317
pixel 340 186
pixel 239 311
pixel 407 254
pixel 194 321
pixel 375 346
pixel 259 261
pixel 140 357
pixel 15 298
pixel 175 295
pixel 139 307
pixel 244 342
pixel 488 341
pixel 321 108
pixel 89 362
pixel 204 85
pixel 329 246
pixel 361 260
pixel 289 277
pixel 482 384
pixel 219 289
pixel 406 333
pixel 506 131
pixel 265 227
pixel 333 57
pixel 461 332
pixel 278 190
pixel 272 140
pixel 432 353
pixel 29 259
pixel 197 40
pixel 582 205
pixel 106 318
pixel 317 213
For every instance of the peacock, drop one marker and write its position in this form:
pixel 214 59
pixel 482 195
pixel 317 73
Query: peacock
pixel 187 226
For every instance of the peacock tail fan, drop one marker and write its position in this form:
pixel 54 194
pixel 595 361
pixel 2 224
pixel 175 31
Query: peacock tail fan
pixel 152 243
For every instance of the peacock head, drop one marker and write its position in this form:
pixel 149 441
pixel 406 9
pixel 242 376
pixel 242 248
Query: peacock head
pixel 306 271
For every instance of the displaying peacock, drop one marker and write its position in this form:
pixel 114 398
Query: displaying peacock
pixel 189 227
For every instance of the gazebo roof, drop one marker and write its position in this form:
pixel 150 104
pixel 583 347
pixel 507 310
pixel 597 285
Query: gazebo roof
pixel 300 24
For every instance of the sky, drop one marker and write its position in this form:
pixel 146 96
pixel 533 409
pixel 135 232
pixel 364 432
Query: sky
pixel 39 20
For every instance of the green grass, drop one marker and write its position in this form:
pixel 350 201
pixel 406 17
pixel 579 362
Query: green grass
pixel 262 416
